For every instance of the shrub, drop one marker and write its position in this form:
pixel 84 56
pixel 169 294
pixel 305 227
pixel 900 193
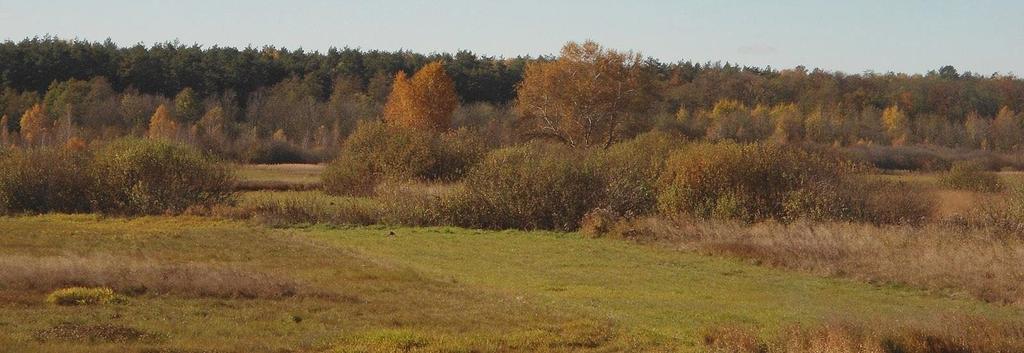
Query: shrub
pixel 534 186
pixel 152 177
pixel 280 152
pixel 630 171
pixel 598 222
pixel 377 153
pixel 971 176
pixel 750 182
pixel 44 180
pixel 888 202
pixel 457 152
pixel 351 176
pixel 84 296
pixel 410 205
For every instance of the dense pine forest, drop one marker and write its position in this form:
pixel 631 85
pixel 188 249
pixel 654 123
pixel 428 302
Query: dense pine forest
pixel 276 105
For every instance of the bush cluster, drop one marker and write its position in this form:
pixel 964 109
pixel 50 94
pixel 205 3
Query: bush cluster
pixel 124 177
pixel 972 177
pixel 45 180
pixel 752 182
pixel 152 177
pixel 376 153
pixel 630 172
pixel 534 186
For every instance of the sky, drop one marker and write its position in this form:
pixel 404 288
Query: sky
pixel 982 36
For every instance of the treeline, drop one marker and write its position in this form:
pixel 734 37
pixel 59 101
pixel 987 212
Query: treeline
pixel 273 104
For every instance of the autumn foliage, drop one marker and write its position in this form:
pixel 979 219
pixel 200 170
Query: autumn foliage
pixel 161 125
pixel 583 97
pixel 33 126
pixel 425 101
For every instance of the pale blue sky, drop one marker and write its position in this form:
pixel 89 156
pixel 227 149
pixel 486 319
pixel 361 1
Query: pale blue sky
pixel 852 36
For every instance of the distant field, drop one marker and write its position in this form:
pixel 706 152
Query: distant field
pixel 279 176
pixel 421 290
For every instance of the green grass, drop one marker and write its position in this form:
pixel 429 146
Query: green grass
pixel 426 290
pixel 371 299
pixel 668 292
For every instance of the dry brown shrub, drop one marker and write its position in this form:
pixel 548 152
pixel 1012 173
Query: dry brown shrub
pixel 598 222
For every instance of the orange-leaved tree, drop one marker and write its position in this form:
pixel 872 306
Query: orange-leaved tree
pixel 584 96
pixel 426 101
pixel 33 126
pixel 162 125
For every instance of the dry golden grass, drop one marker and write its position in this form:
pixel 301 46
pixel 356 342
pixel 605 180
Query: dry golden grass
pixel 953 334
pixel 975 262
pixel 129 276
pixel 279 177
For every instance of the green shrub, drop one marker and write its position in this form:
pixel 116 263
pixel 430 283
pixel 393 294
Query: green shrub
pixel 457 152
pixel 153 177
pixel 44 180
pixel 84 296
pixel 278 152
pixel 631 170
pixel 527 187
pixel 750 182
pixel 971 176
pixel 377 153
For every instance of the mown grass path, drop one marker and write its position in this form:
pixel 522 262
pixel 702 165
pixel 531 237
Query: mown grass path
pixel 667 292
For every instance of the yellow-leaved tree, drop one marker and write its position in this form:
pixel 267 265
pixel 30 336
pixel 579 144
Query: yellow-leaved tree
pixel 584 96
pixel 426 101
pixel 33 126
pixel 162 125
pixel 1007 130
pixel 897 125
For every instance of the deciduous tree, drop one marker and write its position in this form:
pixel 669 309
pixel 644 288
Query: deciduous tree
pixel 33 126
pixel 1007 131
pixel 162 125
pixel 897 125
pixel 582 97
pixel 426 101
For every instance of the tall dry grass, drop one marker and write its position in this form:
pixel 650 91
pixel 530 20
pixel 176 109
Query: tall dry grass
pixel 978 262
pixel 43 274
pixel 953 334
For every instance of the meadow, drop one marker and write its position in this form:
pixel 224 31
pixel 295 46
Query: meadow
pixel 422 289
pixel 312 272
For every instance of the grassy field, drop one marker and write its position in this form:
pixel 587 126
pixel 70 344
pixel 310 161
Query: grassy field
pixel 423 290
pixel 279 176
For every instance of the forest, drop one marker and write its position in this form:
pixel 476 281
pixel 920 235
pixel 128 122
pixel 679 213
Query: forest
pixel 277 105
